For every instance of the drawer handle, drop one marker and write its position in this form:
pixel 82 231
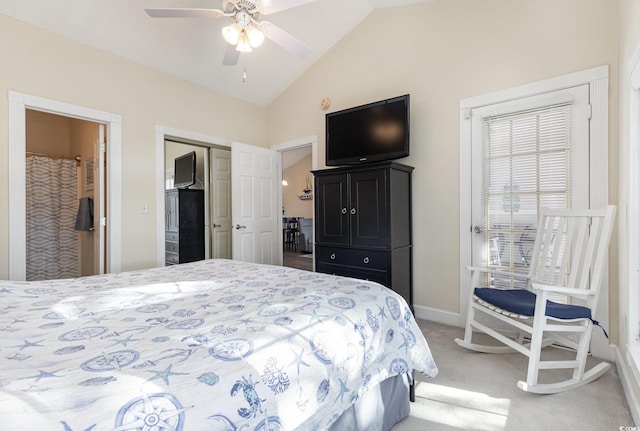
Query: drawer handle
pixel 366 259
pixel 353 210
pixel 344 211
pixel 333 256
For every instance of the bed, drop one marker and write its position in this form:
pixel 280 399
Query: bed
pixel 210 345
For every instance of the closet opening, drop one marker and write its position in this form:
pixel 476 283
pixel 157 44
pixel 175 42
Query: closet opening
pixel 205 230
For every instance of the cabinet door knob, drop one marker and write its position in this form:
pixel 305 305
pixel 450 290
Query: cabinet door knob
pixel 353 210
pixel 366 259
pixel 333 256
pixel 344 211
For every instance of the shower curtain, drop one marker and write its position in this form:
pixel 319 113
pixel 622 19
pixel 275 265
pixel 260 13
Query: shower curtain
pixel 51 205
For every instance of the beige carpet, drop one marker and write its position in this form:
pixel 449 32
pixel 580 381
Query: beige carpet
pixel 476 391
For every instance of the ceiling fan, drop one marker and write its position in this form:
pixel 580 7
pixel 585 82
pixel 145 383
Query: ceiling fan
pixel 248 29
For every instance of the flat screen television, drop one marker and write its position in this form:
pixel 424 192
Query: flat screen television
pixel 369 133
pixel 184 172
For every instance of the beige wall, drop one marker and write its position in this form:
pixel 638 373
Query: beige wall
pixel 441 52
pixel 48 134
pixel 296 176
pixel 39 63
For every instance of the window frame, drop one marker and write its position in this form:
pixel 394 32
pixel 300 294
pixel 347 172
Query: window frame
pixel 631 322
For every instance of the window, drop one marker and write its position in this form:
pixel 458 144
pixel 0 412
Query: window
pixel 526 160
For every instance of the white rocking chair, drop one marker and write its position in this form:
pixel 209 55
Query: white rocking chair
pixel 566 271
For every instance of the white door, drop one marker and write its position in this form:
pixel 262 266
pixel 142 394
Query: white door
pixel 220 186
pixel 526 154
pixel 255 214
pixel 98 200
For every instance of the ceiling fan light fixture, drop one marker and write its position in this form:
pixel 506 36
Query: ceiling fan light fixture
pixel 245 33
pixel 243 43
pixel 256 37
pixel 231 33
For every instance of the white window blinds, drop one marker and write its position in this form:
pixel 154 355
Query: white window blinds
pixel 527 165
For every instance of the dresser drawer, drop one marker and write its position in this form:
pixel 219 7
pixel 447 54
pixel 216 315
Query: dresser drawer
pixel 171 236
pixel 171 258
pixel 371 259
pixel 378 276
pixel 171 246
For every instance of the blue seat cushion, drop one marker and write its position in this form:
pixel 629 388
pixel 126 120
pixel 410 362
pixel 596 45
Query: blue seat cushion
pixel 521 301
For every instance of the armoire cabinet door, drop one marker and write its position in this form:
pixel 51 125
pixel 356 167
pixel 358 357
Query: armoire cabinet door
pixel 368 209
pixel 332 212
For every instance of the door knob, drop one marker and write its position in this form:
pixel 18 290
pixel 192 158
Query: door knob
pixel 217 225
pixel 478 229
pixel 237 226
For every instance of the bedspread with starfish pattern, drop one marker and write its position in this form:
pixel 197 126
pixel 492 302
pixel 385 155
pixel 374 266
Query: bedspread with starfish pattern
pixel 211 345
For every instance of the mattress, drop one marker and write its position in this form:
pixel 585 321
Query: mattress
pixel 216 344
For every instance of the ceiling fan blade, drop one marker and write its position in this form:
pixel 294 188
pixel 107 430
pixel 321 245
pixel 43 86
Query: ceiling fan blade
pixel 285 40
pixel 231 56
pixel 184 13
pixel 267 7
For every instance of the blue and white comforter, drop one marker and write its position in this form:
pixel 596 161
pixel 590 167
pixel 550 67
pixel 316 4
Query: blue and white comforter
pixel 213 345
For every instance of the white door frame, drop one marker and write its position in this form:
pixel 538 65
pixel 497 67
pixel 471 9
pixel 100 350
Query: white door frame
pixel 598 80
pixel 18 104
pixel 630 323
pixel 99 148
pixel 292 145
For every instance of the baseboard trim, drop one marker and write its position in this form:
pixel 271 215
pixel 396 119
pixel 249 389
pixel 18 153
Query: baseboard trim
pixel 439 316
pixel 629 380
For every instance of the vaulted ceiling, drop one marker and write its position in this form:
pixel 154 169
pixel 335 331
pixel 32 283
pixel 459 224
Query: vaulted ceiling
pixel 193 48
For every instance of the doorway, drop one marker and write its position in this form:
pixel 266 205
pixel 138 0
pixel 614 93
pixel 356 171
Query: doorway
pixel 507 197
pixel 213 176
pixel 61 240
pixel 109 217
pixel 297 207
